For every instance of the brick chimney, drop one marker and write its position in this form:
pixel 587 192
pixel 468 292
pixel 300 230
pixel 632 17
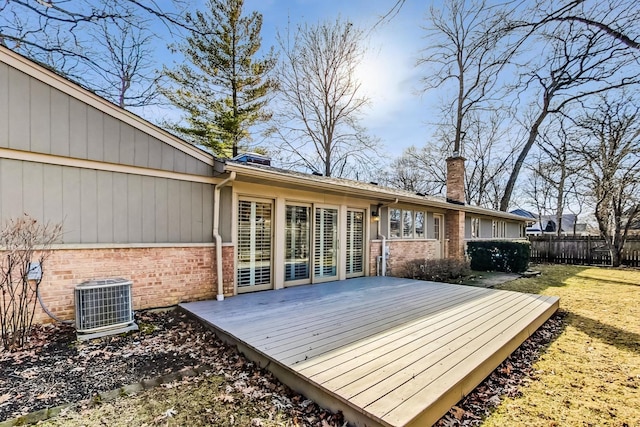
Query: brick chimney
pixel 455 180
pixel 455 219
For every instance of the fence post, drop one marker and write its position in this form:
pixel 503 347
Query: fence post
pixel 589 258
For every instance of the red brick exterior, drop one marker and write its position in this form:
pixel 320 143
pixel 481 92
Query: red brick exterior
pixel 455 179
pixel 375 250
pixel 454 232
pixel 228 272
pixel 454 220
pixel 161 276
pixel 401 251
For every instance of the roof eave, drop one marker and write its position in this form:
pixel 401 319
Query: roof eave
pixel 379 195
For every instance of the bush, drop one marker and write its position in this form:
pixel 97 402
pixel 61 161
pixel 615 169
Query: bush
pixel 24 244
pixel 437 270
pixel 504 256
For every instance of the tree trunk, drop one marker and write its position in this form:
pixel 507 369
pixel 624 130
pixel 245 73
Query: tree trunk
pixel 533 135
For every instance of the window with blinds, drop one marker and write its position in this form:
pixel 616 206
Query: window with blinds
pixel 297 241
pixel 254 244
pixel 420 225
pixel 436 227
pixel 355 242
pixel 325 243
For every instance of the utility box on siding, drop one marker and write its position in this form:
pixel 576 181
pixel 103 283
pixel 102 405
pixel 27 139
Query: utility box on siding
pixel 104 307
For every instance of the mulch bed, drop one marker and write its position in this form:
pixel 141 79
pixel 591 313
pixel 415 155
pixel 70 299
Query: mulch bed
pixel 56 369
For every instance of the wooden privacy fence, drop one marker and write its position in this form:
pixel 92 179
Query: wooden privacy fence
pixel 587 250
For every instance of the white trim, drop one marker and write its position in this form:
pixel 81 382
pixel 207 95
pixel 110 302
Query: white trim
pixel 51 159
pixel 317 185
pixel 50 78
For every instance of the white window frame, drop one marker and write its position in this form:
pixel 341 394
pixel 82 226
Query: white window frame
pixel 475 227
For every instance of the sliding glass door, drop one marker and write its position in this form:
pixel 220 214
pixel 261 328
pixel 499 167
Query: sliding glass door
pixel 254 245
pixel 355 243
pixel 297 268
pixel 325 258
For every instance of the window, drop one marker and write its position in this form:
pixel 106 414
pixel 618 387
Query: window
pixel 475 228
pixel 498 229
pixel 394 223
pixel 419 225
pixel 407 224
pixel 436 227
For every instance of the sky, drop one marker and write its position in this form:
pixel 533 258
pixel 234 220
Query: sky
pixel 398 114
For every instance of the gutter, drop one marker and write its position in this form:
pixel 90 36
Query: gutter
pixel 216 232
pixel 376 194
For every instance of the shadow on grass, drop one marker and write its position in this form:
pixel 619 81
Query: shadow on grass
pixel 605 280
pixel 611 335
pixel 552 276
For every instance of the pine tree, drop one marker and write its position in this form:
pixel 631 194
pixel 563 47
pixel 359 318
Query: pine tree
pixel 222 86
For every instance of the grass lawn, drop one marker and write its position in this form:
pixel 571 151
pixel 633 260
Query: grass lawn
pixel 590 375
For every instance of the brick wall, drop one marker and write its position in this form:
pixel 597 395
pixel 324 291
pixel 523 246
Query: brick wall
pixel 454 232
pixel 401 251
pixel 375 250
pixel 228 273
pixel 455 179
pixel 161 276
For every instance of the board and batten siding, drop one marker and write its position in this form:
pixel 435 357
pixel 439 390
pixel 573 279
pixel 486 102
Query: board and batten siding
pixel 39 118
pixel 107 207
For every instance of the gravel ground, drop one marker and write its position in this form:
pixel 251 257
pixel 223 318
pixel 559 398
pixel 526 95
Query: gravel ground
pixel 56 369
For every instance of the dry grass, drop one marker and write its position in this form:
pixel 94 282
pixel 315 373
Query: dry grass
pixel 195 404
pixel 590 375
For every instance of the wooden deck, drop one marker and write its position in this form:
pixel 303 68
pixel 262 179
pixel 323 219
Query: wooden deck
pixel 384 351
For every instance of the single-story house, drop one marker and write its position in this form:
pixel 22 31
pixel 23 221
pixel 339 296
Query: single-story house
pixel 139 203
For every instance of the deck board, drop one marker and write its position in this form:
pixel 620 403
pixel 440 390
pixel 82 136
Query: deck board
pixel 385 351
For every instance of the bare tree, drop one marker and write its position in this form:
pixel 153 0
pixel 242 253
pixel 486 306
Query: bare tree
pixel 62 35
pixel 555 169
pixel 320 101
pixel 419 171
pixel 576 64
pixel 489 157
pixel 465 44
pixel 609 144
pixel 128 74
pixel 488 162
pixel 615 18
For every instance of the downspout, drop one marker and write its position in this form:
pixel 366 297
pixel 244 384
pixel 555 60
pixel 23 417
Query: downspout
pixel 216 233
pixel 383 267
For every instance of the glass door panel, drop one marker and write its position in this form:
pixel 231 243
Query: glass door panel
pixel 355 243
pixel 297 243
pixel 254 245
pixel 438 233
pixel 325 258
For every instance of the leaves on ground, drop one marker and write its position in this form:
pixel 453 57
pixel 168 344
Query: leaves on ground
pixel 56 369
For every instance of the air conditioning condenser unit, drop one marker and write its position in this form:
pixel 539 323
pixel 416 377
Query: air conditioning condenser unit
pixel 104 307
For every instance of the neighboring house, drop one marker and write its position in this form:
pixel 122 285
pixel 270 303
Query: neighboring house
pixel 139 203
pixel 548 224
